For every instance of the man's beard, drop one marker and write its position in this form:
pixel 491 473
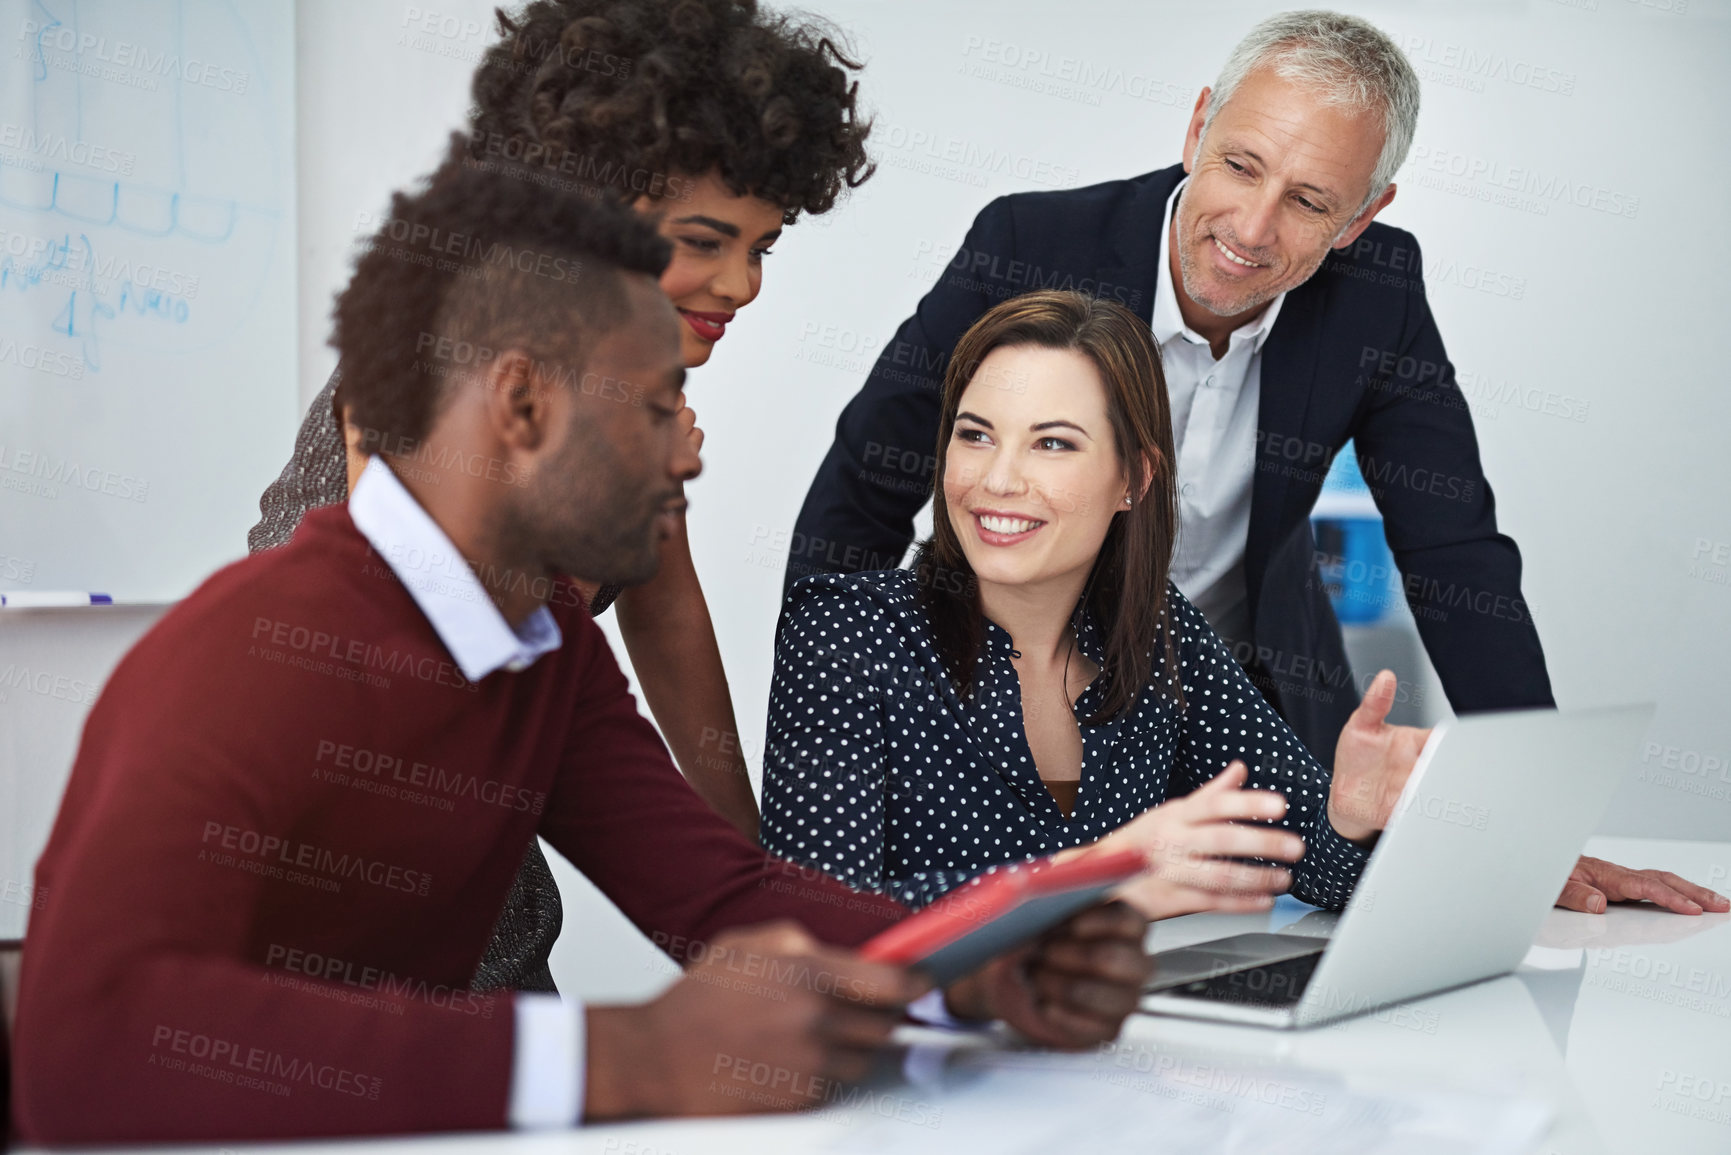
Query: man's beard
pixel 584 521
pixel 1190 271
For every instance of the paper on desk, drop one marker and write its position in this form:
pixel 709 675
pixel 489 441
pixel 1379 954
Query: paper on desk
pixel 1009 1103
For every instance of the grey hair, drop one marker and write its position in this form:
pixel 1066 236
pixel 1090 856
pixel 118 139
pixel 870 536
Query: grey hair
pixel 1345 59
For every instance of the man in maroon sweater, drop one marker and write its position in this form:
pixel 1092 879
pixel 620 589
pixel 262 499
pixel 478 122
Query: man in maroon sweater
pixel 301 799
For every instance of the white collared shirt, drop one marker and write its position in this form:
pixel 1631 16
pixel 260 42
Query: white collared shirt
pixel 547 1045
pixel 1214 408
pixel 441 582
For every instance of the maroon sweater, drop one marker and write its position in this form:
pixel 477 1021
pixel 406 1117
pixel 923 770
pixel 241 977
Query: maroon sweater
pixel 290 828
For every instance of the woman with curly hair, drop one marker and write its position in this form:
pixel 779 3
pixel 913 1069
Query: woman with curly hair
pixel 726 122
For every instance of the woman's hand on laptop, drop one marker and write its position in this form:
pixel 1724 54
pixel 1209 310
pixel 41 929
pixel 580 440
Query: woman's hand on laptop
pixel 1372 761
pixel 1191 841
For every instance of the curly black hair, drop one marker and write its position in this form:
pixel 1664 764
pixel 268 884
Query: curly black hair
pixel 478 262
pixel 632 97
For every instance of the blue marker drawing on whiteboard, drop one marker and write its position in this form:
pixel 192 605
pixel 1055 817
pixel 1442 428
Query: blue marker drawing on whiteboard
pixel 118 139
pixel 101 290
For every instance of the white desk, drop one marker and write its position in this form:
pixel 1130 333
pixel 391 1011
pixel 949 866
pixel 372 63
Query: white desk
pixel 1620 1023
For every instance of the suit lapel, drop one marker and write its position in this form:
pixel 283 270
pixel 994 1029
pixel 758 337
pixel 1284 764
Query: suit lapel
pixel 1133 259
pixel 1288 377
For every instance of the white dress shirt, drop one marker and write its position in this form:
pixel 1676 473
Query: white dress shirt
pixel 1214 407
pixel 547 1045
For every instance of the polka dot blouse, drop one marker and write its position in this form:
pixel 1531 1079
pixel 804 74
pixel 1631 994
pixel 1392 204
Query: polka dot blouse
pixel 877 772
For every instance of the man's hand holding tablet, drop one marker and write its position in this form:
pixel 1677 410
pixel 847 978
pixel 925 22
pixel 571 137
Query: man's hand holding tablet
pixel 769 1020
pixel 772 1020
pixel 1034 946
pixel 1070 988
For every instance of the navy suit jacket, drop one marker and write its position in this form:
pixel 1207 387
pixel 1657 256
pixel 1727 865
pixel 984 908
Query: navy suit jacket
pixel 1355 353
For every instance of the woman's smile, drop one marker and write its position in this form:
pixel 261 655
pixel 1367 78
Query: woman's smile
pixel 1002 529
pixel 710 327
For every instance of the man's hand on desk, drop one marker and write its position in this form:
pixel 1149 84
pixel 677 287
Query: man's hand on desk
pixel 769 1020
pixel 1594 883
pixel 1070 989
pixel 1372 761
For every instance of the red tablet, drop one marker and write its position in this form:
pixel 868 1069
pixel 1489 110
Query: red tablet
pixel 982 919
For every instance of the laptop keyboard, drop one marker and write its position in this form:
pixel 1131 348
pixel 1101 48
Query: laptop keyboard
pixel 1277 984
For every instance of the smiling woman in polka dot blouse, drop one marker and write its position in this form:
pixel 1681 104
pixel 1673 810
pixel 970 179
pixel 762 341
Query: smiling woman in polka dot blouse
pixel 1035 683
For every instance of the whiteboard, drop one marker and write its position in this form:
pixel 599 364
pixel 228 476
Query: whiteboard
pixel 147 287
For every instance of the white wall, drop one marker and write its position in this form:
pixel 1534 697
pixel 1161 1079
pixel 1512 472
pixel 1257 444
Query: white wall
pixel 378 103
pixel 52 666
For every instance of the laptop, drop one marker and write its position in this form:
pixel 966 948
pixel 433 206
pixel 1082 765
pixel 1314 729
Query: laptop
pixel 1484 835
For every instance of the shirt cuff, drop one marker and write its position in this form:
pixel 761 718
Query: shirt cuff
pixel 929 1010
pixel 1333 863
pixel 1339 845
pixel 546 1063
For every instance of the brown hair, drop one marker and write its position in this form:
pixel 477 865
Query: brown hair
pixel 1126 590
